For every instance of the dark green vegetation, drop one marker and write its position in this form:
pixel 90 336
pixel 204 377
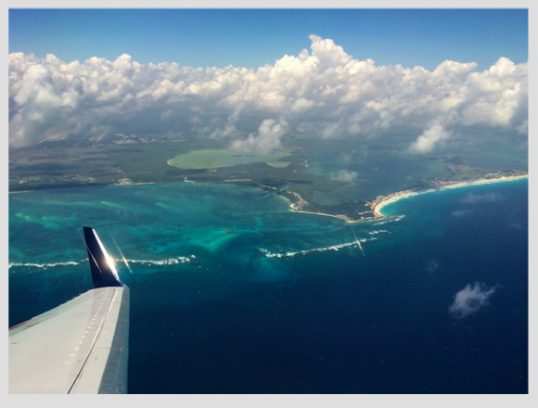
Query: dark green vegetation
pixel 332 176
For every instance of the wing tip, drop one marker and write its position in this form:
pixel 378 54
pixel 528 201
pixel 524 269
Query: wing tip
pixel 102 265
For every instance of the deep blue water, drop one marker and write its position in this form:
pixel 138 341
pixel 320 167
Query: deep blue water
pixel 256 299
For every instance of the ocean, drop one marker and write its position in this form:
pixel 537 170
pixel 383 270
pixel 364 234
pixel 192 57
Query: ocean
pixel 233 293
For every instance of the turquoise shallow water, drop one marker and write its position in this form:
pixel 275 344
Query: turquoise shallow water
pixel 231 292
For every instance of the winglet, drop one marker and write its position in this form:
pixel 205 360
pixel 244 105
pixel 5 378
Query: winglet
pixel 102 265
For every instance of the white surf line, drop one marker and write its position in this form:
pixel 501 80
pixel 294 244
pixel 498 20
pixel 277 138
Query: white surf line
pixel 335 247
pixel 357 240
pixel 43 265
pixel 158 262
pixel 123 259
pixel 163 262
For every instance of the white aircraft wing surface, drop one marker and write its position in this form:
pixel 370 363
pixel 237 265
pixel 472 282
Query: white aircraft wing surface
pixel 80 346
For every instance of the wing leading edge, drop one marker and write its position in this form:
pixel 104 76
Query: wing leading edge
pixel 80 346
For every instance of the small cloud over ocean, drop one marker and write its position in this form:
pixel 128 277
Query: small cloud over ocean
pixel 473 198
pixel 461 213
pixel 471 299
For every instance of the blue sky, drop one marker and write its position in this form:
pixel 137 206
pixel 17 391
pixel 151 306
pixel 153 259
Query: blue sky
pixel 256 37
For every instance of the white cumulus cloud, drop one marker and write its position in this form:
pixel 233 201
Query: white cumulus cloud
pixel 320 92
pixel 428 139
pixel 471 299
pixel 265 140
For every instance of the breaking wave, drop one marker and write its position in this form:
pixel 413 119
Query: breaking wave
pixel 389 220
pixel 43 265
pixel 336 247
pixel 376 232
pixel 158 262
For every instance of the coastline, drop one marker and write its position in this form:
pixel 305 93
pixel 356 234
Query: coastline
pixel 120 182
pixel 339 216
pixel 375 205
pixel 378 204
pixel 299 205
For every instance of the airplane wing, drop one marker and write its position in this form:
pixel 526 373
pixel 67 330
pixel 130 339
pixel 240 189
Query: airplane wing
pixel 80 346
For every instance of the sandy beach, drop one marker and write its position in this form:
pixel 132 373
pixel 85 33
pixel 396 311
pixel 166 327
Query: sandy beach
pixel 128 182
pixel 382 201
pixel 339 216
pixel 378 204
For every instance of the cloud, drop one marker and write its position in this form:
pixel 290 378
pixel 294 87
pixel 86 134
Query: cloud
pixel 471 299
pixel 473 198
pixel 345 176
pixel 320 92
pixel 461 213
pixel 428 139
pixel 265 141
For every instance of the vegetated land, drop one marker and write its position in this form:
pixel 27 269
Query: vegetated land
pixel 217 158
pixel 336 177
